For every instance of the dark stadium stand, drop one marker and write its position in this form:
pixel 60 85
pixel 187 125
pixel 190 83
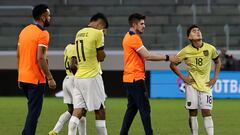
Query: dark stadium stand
pixel 163 17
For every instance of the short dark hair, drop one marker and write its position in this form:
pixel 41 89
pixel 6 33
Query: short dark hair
pixel 136 17
pixel 99 16
pixel 38 10
pixel 191 27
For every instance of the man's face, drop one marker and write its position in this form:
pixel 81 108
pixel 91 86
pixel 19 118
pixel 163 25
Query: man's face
pixel 139 26
pixel 195 34
pixel 46 18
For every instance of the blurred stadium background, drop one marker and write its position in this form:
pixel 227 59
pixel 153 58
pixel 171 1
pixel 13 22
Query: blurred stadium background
pixel 165 32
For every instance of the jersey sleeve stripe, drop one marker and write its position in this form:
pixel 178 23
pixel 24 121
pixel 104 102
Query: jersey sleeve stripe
pixel 216 58
pixel 140 48
pixel 100 48
pixel 42 45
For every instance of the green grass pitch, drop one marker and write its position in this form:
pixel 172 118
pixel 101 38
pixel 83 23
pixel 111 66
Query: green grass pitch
pixel 169 117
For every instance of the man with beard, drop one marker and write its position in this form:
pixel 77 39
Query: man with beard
pixel 135 55
pixel 33 70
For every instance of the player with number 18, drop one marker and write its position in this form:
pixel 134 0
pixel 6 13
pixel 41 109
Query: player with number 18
pixel 198 57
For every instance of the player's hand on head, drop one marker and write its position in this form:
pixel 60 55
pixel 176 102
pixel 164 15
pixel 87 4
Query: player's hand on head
pixel 188 80
pixel 52 84
pixel 174 59
pixel 211 82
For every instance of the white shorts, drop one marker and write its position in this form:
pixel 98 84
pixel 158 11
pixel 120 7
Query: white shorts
pixel 198 99
pixel 89 93
pixel 68 86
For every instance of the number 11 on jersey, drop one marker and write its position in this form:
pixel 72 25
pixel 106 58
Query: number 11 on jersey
pixel 80 42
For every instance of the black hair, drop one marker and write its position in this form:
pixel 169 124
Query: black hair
pixel 100 16
pixel 136 17
pixel 38 10
pixel 191 27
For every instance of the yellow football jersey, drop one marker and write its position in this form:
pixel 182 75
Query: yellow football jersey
pixel 88 41
pixel 199 61
pixel 69 52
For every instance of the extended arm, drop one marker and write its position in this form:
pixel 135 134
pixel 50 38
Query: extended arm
pixel 156 57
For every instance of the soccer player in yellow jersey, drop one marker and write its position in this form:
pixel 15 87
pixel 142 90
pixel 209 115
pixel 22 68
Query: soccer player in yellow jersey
pixel 68 85
pixel 198 58
pixel 89 90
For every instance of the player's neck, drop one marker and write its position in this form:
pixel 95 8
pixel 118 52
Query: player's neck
pixel 134 30
pixel 38 22
pixel 197 43
pixel 94 25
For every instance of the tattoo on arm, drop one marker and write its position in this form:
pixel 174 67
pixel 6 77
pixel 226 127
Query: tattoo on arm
pixel 43 61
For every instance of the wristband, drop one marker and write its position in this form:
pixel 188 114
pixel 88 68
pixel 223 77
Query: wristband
pixel 167 58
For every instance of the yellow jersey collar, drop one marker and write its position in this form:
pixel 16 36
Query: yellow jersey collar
pixel 199 47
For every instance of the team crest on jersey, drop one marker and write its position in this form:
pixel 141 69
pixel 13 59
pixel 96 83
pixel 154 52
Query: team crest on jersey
pixel 189 103
pixel 206 52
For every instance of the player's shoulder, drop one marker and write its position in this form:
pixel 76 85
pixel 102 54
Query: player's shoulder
pixel 97 31
pixel 29 27
pixel 82 30
pixel 89 31
pixel 69 46
pixel 131 36
pixel 187 47
pixel 185 50
pixel 45 33
pixel 38 28
pixel 208 45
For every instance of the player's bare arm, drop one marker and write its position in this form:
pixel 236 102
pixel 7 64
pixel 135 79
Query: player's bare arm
pixel 156 57
pixel 216 72
pixel 42 61
pixel 186 79
pixel 73 65
pixel 17 56
pixel 101 55
pixel 19 85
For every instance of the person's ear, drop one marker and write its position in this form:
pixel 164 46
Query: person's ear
pixel 134 25
pixel 42 18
